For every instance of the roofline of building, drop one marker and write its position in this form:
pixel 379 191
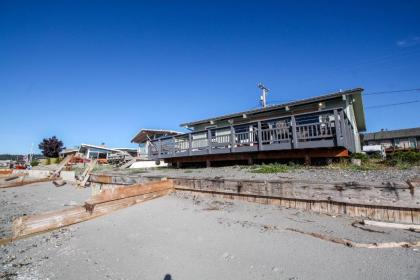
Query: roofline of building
pixel 155 130
pixel 98 147
pixel 275 107
pixel 390 134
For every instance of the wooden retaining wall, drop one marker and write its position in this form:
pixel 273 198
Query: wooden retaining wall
pixel 388 202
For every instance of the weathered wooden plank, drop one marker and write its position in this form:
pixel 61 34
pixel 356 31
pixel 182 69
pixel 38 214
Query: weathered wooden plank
pixel 22 181
pixel 61 165
pixel 353 194
pixel 415 214
pixel 29 225
pixel 125 192
pixel 391 225
pixel 86 172
pixel 350 243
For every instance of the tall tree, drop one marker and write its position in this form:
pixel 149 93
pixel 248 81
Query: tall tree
pixel 51 147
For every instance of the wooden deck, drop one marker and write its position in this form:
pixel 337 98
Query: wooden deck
pixel 319 134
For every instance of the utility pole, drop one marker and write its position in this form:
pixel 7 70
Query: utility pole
pixel 31 153
pixel 263 94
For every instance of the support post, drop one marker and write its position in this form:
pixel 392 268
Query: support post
pixel 337 125
pixel 232 139
pixel 344 130
pixel 250 161
pixel 189 143
pixel 159 148
pixel 209 143
pixel 307 159
pixel 173 150
pixel 260 143
pixel 294 133
pixel 208 163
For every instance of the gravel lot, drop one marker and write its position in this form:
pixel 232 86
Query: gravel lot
pixel 185 237
pixel 321 174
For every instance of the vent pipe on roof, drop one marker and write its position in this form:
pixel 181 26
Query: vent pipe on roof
pixel 263 94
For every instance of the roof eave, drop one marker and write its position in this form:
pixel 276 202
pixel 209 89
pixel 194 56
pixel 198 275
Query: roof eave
pixel 275 107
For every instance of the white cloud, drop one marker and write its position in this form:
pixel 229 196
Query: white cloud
pixel 409 42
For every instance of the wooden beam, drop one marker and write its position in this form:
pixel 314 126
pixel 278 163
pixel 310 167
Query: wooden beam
pixel 35 224
pixel 391 225
pixel 350 243
pixel 125 192
pixel 61 165
pixel 86 173
pixel 24 181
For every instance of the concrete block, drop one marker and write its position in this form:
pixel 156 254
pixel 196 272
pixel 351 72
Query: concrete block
pixel 68 176
pixel 356 161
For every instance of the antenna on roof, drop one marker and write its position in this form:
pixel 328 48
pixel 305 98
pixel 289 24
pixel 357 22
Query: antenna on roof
pixel 264 92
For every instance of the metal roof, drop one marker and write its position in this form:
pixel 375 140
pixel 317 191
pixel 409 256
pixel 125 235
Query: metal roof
pixel 278 106
pixel 84 147
pixel 390 134
pixel 141 136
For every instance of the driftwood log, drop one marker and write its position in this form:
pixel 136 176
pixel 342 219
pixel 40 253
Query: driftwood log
pixel 98 205
pixel 22 181
pixel 125 192
pixel 350 243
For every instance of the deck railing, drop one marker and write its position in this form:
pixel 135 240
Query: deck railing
pixel 335 131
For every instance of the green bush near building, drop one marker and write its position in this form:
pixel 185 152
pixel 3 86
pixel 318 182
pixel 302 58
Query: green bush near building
pixel 403 158
pixel 275 168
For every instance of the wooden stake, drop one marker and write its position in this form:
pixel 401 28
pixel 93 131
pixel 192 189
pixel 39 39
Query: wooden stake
pixel 86 172
pixel 61 165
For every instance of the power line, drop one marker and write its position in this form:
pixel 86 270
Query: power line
pixel 392 104
pixel 403 91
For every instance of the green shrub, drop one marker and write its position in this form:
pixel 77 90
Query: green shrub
pixel 137 170
pixel 362 157
pixel 345 164
pixel 34 162
pixel 48 161
pixel 275 168
pixel 401 158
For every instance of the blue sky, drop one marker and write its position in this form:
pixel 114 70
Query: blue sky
pixel 98 71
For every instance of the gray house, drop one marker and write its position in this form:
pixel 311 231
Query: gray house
pixel 394 140
pixel 325 126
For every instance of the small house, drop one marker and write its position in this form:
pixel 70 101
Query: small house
pixel 394 140
pixel 324 126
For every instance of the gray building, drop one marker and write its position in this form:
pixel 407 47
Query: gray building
pixel 392 140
